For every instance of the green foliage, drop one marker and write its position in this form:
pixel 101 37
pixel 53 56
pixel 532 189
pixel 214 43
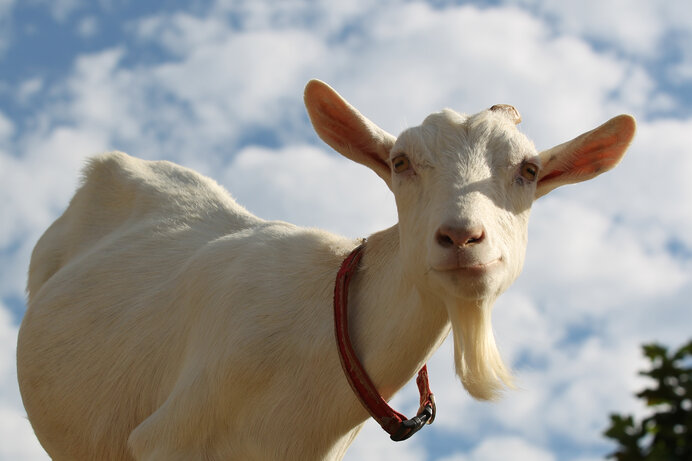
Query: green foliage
pixel 666 435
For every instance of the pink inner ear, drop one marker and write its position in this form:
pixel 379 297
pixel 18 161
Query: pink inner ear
pixel 341 133
pixel 550 176
pixel 342 127
pixel 586 156
pixel 593 156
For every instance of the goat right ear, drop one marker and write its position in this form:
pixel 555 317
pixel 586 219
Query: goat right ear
pixel 347 131
pixel 586 156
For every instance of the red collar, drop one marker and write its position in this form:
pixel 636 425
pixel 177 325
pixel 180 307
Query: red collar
pixel 396 424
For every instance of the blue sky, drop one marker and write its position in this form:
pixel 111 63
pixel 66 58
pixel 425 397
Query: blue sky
pixel 217 86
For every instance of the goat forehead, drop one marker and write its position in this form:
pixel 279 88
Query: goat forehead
pixel 449 136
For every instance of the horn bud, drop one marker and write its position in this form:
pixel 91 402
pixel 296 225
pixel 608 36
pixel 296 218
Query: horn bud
pixel 508 111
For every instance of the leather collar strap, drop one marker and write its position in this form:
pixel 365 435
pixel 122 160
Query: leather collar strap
pixel 396 424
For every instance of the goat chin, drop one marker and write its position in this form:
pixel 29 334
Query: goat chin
pixel 476 358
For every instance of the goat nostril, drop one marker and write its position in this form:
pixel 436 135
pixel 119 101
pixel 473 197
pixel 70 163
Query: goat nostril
pixel 444 241
pixel 477 238
pixel 448 237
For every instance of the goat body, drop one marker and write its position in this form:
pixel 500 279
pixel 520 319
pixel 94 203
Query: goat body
pixel 165 322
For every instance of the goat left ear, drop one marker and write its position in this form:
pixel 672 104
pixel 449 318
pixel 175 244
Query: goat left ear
pixel 586 156
pixel 341 126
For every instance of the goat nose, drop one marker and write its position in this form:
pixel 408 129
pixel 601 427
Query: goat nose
pixel 448 236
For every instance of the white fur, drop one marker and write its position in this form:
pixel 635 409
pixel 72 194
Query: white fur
pixel 165 322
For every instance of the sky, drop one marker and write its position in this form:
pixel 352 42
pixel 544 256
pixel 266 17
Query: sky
pixel 217 86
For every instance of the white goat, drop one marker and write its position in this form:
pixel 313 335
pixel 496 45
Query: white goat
pixel 165 322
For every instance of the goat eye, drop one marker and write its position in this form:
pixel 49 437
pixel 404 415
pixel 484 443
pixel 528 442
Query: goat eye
pixel 401 163
pixel 529 171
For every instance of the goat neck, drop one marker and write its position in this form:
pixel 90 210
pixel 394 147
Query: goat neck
pixel 394 328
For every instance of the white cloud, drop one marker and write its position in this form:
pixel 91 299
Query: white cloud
pixel 586 384
pixel 29 88
pixel 431 59
pixel 502 449
pixel 244 79
pixel 181 33
pixel 88 27
pixel 635 27
pixel 36 189
pixel 61 10
pixel 5 8
pixel 325 18
pixel 586 253
pixel 524 331
pixel 98 96
pixel 656 35
pixel 311 188
pixel 655 180
pixel 682 72
pixel 7 129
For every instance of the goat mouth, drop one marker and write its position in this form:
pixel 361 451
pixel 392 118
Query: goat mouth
pixel 476 269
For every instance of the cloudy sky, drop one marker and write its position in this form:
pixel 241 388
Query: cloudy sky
pixel 217 86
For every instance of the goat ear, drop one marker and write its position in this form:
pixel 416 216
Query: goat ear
pixel 346 130
pixel 586 156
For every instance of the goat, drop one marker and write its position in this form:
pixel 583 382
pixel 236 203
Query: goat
pixel 166 322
